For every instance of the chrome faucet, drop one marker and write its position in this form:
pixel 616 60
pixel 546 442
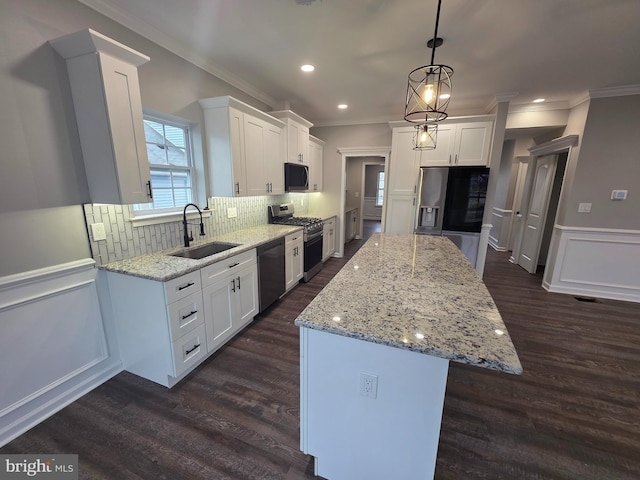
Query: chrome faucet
pixel 188 236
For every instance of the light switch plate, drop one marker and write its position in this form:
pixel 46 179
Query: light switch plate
pixel 584 208
pixel 98 232
pixel 232 212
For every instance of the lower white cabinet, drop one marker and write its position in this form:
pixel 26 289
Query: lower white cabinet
pixel 329 238
pixel 351 225
pixel 294 259
pixel 231 300
pixel 165 329
pixel 400 214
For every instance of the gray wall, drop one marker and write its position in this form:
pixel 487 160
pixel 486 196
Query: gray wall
pixel 43 183
pixel 608 159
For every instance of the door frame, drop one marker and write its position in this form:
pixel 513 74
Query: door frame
pixel 557 146
pixel 362 187
pixel 348 152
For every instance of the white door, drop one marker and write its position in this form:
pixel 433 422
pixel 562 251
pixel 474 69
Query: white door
pixel 536 215
pixel 516 215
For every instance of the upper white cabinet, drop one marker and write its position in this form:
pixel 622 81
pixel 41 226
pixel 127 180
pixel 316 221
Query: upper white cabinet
pixel 404 164
pixel 460 144
pixel 316 152
pixel 297 136
pixel 245 149
pixel 106 97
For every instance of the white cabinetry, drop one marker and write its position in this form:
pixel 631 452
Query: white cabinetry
pixel 106 97
pixel 460 144
pixel 402 182
pixel 245 149
pixel 165 329
pixel 230 294
pixel 316 151
pixel 160 326
pixel 294 259
pixel 351 225
pixel 329 238
pixel 297 136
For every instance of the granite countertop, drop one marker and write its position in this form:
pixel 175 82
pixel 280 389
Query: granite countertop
pixel 419 293
pixel 161 266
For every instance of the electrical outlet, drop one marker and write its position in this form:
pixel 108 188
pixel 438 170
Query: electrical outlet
pixel 232 212
pixel 584 208
pixel 368 385
pixel 619 194
pixel 97 232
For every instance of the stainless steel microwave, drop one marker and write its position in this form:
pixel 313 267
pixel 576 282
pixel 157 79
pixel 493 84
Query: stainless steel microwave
pixel 296 177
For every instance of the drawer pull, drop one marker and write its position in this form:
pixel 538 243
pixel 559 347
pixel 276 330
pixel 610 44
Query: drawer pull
pixel 190 314
pixel 190 284
pixel 187 352
pixel 234 265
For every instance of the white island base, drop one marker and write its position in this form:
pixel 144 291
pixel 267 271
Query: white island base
pixel 393 436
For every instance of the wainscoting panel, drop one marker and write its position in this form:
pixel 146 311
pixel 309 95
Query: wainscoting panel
pixel 501 224
pixel 598 263
pixel 53 346
pixel 370 210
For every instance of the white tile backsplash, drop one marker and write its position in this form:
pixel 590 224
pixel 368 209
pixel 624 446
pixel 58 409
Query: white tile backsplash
pixel 126 241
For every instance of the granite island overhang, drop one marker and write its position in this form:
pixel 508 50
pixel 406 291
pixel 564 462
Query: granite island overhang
pixel 375 346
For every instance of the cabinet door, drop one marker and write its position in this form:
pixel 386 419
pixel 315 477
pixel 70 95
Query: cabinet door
pixel 122 96
pixel 297 142
pixel 404 164
pixel 473 142
pixel 236 133
pixel 400 214
pixel 218 311
pixel 315 167
pixel 254 134
pixel 443 154
pixel 328 240
pixel 246 297
pixel 273 158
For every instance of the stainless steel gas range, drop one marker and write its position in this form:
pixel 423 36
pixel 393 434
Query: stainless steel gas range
pixel 283 214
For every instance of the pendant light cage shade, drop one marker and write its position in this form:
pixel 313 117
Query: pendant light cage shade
pixel 425 136
pixel 428 94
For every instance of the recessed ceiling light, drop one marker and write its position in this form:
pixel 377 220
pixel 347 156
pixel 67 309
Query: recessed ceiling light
pixel 307 68
pixel 342 106
pixel 538 100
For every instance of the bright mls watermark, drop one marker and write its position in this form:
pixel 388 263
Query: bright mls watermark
pixel 52 467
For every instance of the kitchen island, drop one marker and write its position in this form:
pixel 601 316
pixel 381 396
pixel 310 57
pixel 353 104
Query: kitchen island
pixel 375 346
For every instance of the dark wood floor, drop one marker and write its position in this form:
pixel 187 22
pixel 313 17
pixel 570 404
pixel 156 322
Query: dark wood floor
pixel 573 414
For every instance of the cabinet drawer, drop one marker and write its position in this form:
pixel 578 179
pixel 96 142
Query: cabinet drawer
pixel 182 287
pixel 292 238
pixel 214 272
pixel 189 350
pixel 185 315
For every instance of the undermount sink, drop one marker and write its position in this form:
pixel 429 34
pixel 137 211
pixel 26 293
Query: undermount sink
pixel 206 250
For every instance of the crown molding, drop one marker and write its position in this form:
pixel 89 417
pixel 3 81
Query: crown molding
pixel 539 107
pixel 614 91
pixel 151 33
pixel 500 98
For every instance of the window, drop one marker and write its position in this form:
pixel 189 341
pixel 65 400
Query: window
pixel 380 190
pixel 172 172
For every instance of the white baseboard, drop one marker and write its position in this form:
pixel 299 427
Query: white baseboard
pixel 594 262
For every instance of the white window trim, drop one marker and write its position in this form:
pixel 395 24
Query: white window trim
pixel 155 218
pixel 151 216
pixel 378 189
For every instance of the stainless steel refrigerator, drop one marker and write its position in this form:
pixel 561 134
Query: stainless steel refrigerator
pixel 452 203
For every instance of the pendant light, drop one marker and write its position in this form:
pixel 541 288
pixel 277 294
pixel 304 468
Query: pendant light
pixel 429 87
pixel 425 136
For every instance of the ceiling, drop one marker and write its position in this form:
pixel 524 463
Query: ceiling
pixel 363 50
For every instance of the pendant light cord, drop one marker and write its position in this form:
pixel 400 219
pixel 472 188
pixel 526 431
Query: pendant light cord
pixel 435 34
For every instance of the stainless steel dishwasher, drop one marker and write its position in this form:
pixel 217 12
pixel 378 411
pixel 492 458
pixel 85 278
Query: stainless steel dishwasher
pixel 271 272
